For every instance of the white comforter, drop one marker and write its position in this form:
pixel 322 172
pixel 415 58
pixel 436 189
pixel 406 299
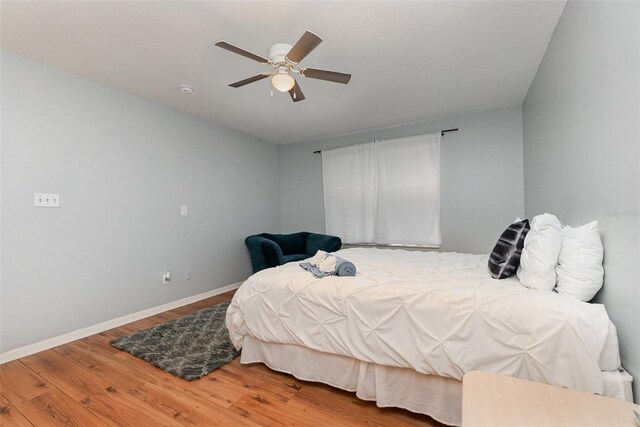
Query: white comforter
pixel 437 313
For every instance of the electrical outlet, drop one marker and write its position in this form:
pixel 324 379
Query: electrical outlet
pixel 166 277
pixel 184 210
pixel 187 274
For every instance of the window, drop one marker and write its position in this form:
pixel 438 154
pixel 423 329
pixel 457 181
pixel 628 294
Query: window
pixel 384 192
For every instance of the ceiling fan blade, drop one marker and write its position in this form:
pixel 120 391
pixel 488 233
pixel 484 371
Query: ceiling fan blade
pixel 235 49
pixel 303 47
pixel 249 80
pixel 331 76
pixel 296 93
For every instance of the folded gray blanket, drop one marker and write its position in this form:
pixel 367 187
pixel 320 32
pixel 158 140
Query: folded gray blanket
pixel 343 268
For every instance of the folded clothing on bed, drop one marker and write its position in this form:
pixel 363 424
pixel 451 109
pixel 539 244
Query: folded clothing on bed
pixel 317 258
pixel 328 266
pixel 314 270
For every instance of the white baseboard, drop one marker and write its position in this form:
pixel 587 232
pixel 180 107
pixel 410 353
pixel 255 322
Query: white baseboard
pixel 30 349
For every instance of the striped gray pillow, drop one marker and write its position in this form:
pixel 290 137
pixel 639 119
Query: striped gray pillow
pixel 505 256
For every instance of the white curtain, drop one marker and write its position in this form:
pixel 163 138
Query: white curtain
pixel 387 192
pixel 349 183
pixel 408 187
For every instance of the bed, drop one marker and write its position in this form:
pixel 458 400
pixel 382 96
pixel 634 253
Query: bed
pixel 405 330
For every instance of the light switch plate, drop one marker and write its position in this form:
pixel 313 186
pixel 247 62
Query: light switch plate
pixel 46 200
pixel 184 210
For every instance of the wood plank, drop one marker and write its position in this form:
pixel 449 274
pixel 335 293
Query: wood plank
pixel 103 339
pixel 19 383
pixel 324 398
pixel 54 408
pixel 222 393
pixel 397 416
pixel 10 416
pixel 119 408
pixel 326 416
pixel 186 407
pixel 263 409
pixel 258 378
pixel 111 369
pixel 211 388
pixel 71 378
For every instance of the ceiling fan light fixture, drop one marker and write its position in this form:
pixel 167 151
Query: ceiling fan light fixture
pixel 283 82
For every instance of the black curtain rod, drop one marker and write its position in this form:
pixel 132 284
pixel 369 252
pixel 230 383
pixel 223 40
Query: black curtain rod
pixel 442 132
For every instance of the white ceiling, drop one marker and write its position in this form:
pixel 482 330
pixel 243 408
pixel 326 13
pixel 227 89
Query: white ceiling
pixel 411 61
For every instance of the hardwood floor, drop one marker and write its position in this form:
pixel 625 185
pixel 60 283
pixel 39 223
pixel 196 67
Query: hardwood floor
pixel 90 383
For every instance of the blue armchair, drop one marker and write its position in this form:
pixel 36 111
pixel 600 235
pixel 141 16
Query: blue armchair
pixel 270 250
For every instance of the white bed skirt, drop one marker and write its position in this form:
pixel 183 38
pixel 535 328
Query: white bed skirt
pixel 436 396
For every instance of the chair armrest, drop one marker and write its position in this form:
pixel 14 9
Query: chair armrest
pixel 264 253
pixel 324 242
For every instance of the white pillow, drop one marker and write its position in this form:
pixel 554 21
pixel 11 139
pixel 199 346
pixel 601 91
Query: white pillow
pixel 537 268
pixel 579 269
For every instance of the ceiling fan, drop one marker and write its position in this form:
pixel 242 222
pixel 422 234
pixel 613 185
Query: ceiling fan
pixel 284 58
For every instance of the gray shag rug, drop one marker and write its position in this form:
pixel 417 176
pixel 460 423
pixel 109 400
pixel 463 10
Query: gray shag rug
pixel 188 347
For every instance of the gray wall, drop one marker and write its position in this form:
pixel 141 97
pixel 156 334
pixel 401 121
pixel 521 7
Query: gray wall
pixel 122 166
pixel 581 139
pixel 481 177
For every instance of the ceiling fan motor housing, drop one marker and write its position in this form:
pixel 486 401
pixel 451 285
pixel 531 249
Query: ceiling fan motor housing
pixel 278 52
